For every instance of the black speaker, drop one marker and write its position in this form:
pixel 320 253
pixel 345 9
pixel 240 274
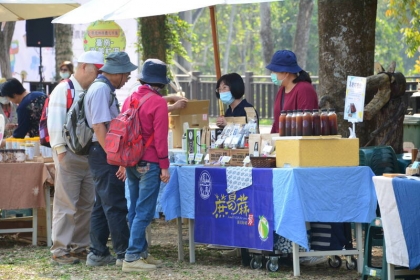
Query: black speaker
pixel 40 32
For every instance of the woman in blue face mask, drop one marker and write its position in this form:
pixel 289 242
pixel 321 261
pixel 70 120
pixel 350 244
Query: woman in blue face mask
pixel 295 86
pixel 66 70
pixel 230 89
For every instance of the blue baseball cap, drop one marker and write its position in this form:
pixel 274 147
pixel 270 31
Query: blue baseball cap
pixel 284 61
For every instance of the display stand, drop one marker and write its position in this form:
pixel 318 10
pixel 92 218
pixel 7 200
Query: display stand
pixel 353 130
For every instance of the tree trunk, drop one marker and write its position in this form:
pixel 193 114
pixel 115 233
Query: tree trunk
pixel 303 28
pixel 153 30
pixel 63 46
pixel 346 48
pixel 266 34
pixel 6 35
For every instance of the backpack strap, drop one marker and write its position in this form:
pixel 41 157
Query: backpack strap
pixel 113 95
pixel 70 93
pixel 140 103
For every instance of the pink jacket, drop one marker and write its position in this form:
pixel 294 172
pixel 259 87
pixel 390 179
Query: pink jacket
pixel 153 117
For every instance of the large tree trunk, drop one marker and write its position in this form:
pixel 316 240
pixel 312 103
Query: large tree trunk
pixel 63 46
pixel 188 17
pixel 303 28
pixel 346 48
pixel 153 30
pixel 6 35
pixel 266 33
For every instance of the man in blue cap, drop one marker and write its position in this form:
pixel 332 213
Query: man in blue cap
pixel 110 208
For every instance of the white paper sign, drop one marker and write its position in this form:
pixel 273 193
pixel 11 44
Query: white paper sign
pixel 198 158
pixel 355 99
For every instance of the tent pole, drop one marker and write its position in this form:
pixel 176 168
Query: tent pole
pixel 216 51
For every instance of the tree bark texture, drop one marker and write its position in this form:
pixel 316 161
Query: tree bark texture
pixel 346 48
pixel 153 30
pixel 6 35
pixel 63 46
pixel 266 33
pixel 303 29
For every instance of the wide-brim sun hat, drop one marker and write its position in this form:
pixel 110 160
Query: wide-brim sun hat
pixel 284 61
pixel 118 63
pixel 154 72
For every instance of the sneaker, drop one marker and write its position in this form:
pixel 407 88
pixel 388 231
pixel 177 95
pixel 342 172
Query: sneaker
pixel 138 265
pixel 119 262
pixel 65 259
pixel 311 261
pixel 82 255
pixel 94 260
pixel 151 260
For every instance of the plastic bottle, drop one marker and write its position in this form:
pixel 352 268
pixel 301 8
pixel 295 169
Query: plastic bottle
pixel 316 123
pixel 288 123
pixel 299 123
pixel 293 124
pixel 307 123
pixel 184 142
pixel 170 139
pixel 325 124
pixel 332 119
pixel 282 123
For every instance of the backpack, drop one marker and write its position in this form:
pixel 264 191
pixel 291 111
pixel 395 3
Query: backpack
pixel 76 131
pixel 124 143
pixel 44 136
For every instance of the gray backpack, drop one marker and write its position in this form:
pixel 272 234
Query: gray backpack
pixel 76 131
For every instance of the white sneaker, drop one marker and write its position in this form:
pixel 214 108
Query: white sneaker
pixel 138 265
pixel 311 261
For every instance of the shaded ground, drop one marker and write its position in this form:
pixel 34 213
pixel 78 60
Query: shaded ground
pixel 21 261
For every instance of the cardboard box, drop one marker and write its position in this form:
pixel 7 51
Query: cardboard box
pixel 238 156
pixel 196 114
pixel 215 154
pixel 317 152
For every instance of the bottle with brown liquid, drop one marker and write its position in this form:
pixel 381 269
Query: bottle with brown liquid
pixel 332 119
pixel 316 123
pixel 299 122
pixel 307 123
pixel 325 124
pixel 282 124
pixel 288 123
pixel 293 124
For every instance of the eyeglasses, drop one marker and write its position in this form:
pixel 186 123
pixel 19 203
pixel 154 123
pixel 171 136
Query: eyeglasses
pixel 64 70
pixel 223 88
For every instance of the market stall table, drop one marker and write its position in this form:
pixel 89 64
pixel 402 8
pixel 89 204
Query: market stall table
pixel 398 201
pixel 23 186
pixel 342 194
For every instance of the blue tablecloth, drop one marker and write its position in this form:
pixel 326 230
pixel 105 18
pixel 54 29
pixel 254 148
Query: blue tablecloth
pixel 342 194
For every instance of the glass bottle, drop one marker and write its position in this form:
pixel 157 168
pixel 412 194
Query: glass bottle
pixel 332 119
pixel 316 123
pixel 288 123
pixel 293 124
pixel 282 123
pixel 307 123
pixel 299 122
pixel 325 124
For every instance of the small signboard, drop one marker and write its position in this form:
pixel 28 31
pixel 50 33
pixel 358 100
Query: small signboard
pixel 355 99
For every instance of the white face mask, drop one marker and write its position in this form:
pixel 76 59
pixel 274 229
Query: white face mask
pixel 64 75
pixel 4 100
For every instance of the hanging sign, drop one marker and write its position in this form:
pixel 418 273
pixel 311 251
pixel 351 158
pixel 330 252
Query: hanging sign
pixel 104 36
pixel 355 99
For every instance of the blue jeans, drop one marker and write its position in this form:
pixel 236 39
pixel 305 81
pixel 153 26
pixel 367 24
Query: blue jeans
pixel 144 188
pixel 110 208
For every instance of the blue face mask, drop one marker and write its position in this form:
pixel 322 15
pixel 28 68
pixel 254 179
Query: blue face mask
pixel 227 97
pixel 274 79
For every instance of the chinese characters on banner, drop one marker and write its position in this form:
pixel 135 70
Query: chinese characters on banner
pixel 240 219
pixel 104 36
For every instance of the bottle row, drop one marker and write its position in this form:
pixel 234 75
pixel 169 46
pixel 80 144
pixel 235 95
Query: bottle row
pixel 308 122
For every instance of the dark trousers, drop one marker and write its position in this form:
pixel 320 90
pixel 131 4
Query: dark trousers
pixel 110 208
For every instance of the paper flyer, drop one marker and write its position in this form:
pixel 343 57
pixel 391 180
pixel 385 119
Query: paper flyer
pixel 355 99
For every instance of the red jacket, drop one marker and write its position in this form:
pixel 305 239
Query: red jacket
pixel 153 117
pixel 302 96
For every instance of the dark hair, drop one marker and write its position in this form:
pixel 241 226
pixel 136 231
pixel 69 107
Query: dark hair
pixel 152 84
pixel 69 65
pixel 11 87
pixel 235 82
pixel 302 76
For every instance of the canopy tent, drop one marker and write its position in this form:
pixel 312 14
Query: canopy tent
pixel 125 9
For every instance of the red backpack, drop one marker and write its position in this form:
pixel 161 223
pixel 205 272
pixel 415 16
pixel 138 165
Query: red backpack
pixel 124 143
pixel 44 136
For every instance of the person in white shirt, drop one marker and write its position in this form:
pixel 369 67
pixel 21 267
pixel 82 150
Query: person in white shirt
pixel 74 189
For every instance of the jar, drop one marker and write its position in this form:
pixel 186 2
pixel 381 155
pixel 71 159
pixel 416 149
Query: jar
pixel 332 119
pixel 288 123
pixel 307 123
pixel 299 122
pixel 37 150
pixel 29 151
pixel 15 143
pixel 293 124
pixel 325 124
pixel 282 124
pixel 19 155
pixel 316 123
pixel 9 143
